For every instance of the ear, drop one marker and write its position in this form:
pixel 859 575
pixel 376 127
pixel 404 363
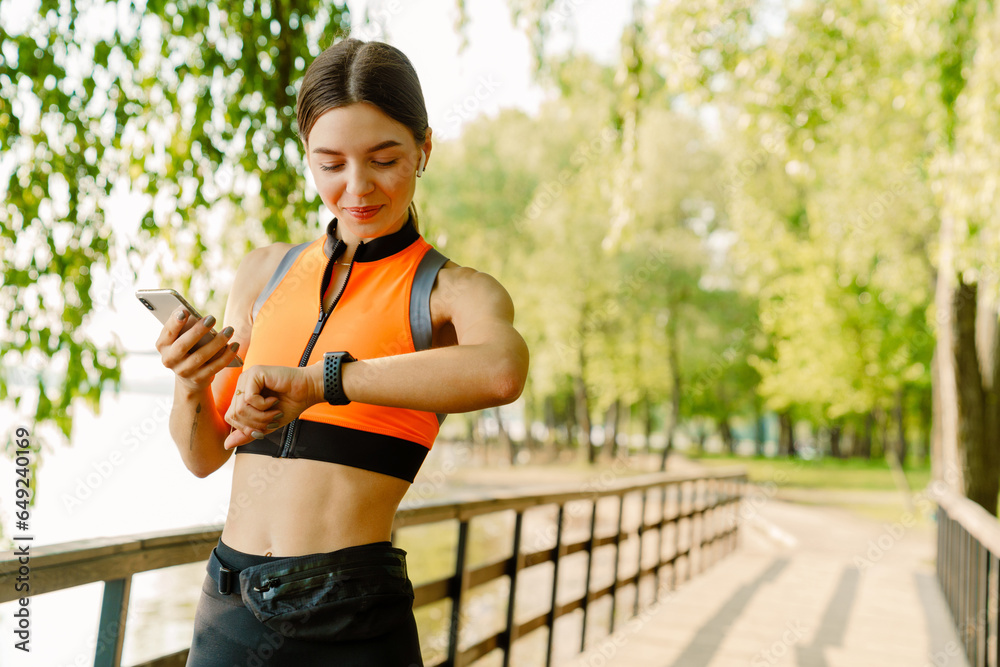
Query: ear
pixel 425 149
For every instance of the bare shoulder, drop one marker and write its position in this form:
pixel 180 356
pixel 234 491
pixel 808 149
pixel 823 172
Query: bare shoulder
pixel 461 288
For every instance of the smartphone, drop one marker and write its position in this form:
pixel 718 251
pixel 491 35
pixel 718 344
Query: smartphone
pixel 163 302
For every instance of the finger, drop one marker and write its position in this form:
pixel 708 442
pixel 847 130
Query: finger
pixel 195 333
pixel 235 439
pixel 173 327
pixel 248 419
pixel 176 355
pixel 223 357
pixel 195 359
pixel 261 403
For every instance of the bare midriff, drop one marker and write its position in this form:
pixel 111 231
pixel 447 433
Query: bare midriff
pixel 293 507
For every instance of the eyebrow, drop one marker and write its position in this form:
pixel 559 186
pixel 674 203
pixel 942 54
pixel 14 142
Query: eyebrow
pixel 390 143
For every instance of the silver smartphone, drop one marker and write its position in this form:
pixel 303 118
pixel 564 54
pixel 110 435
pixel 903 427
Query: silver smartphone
pixel 163 302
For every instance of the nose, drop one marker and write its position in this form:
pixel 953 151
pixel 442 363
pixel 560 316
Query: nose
pixel 358 182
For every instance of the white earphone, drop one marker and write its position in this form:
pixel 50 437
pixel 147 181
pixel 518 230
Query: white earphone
pixel 420 165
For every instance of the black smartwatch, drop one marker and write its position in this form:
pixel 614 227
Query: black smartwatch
pixel 333 378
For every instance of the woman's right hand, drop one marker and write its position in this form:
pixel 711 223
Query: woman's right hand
pixel 194 369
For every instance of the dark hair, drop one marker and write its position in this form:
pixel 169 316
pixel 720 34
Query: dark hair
pixel 353 71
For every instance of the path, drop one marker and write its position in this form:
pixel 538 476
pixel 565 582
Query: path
pixel 811 586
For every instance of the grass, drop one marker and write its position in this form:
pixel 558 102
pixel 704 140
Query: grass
pixel 827 473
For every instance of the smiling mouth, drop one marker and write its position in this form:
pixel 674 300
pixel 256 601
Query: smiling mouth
pixel 362 211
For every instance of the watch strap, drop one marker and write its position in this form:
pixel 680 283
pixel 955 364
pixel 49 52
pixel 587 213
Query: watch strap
pixel 333 377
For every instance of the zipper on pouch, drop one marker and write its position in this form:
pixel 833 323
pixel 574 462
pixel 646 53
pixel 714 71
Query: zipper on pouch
pixel 286 447
pixel 273 582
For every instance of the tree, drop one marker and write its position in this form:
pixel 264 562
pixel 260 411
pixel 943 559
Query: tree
pixel 104 98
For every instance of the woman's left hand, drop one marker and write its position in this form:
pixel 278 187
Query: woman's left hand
pixel 266 398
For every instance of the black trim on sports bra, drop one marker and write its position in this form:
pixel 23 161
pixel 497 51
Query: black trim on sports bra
pixel 378 248
pixel 386 454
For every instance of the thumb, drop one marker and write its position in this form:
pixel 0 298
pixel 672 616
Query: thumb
pixel 235 439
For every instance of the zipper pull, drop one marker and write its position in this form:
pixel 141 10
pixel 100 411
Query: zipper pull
pixel 267 584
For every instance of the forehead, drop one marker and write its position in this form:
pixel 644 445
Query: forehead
pixel 356 127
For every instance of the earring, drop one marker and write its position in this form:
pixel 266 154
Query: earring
pixel 420 165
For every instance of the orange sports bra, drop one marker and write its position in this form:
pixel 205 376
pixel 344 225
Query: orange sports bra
pixel 383 309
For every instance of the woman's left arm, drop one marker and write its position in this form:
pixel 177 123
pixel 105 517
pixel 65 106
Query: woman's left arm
pixel 486 368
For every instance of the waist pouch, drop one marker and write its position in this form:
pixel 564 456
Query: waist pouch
pixel 353 593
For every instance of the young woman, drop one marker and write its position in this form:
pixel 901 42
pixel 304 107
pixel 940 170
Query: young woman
pixel 351 344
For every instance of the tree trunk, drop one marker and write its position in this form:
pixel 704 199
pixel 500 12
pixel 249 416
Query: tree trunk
pixel 583 417
pixel 625 423
pixel 945 465
pixel 611 430
pixel 569 417
pixel 530 405
pixel 760 433
pixel 551 444
pixel 647 423
pixel 835 431
pixel 786 446
pixel 882 421
pixel 476 430
pixel 506 445
pixel 979 448
pixel 926 426
pixel 864 448
pixel 675 381
pixel 900 426
pixel 726 431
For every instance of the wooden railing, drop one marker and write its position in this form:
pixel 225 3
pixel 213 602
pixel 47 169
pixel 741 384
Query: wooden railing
pixel 707 504
pixel 968 549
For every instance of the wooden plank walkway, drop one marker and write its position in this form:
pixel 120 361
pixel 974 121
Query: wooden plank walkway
pixel 812 586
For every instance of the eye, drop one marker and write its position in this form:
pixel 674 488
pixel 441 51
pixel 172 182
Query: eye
pixel 326 167
pixel 386 164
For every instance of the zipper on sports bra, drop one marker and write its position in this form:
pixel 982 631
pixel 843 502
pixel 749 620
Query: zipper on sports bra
pixel 286 447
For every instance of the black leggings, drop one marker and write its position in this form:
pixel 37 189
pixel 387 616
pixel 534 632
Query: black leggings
pixel 227 634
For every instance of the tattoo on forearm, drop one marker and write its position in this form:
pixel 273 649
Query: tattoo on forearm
pixel 194 425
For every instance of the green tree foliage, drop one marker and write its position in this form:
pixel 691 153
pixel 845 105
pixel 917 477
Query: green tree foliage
pixel 826 189
pixel 189 104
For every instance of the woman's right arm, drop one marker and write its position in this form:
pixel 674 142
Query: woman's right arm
pixel 203 384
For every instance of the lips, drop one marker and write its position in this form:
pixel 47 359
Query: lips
pixel 363 212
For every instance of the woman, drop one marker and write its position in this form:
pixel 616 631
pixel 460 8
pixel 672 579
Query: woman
pixel 304 573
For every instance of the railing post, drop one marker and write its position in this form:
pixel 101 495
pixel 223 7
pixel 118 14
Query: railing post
pixel 982 606
pixel 618 549
pixel 111 630
pixel 457 593
pixel 638 564
pixel 675 578
pixel 711 502
pixel 659 541
pixel 555 586
pixel 590 567
pixel 994 619
pixel 510 636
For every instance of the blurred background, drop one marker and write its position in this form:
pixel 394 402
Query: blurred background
pixel 751 232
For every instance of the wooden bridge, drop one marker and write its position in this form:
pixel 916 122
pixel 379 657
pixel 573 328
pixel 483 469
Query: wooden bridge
pixel 702 570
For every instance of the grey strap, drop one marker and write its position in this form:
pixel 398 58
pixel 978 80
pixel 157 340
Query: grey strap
pixel 278 275
pixel 420 298
pixel 420 302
